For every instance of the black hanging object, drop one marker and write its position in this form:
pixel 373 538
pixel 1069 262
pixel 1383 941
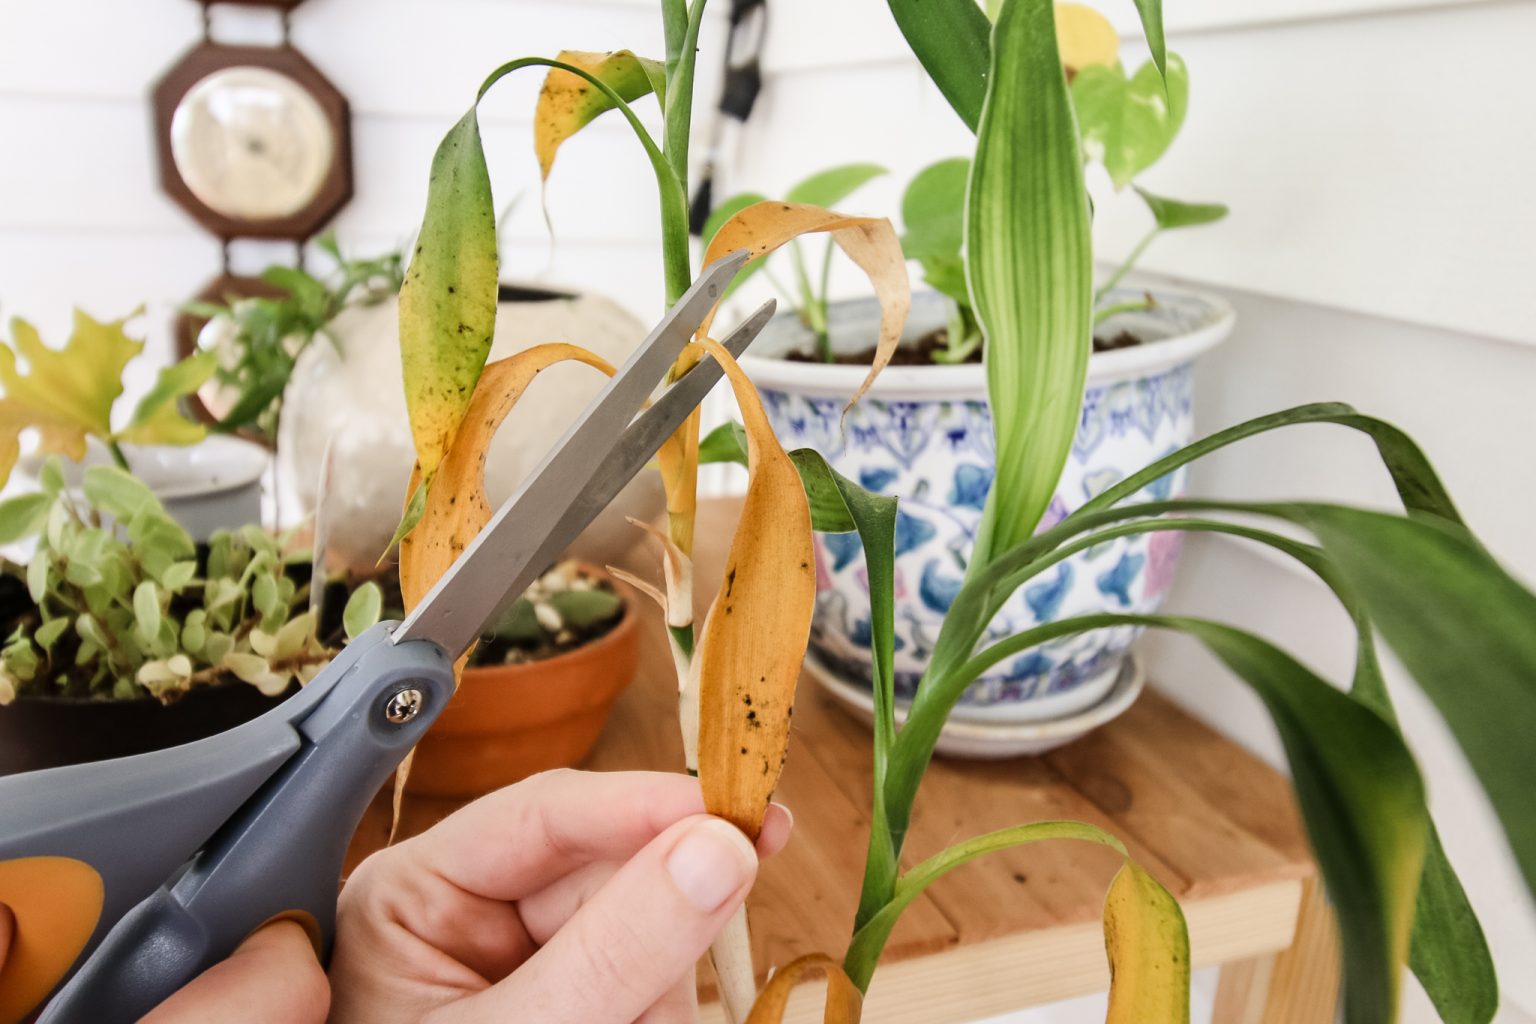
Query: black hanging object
pixel 743 81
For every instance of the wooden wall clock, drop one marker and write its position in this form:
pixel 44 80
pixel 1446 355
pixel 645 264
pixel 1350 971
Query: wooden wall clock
pixel 252 142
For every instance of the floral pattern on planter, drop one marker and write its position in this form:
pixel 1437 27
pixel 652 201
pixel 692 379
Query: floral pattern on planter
pixel 937 456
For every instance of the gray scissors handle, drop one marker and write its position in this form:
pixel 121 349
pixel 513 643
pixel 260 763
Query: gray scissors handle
pixel 281 855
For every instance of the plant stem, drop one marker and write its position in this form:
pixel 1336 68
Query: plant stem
pixel 1105 312
pixel 118 455
pixel 731 955
pixel 1125 268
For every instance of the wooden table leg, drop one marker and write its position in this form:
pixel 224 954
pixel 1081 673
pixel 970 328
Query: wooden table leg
pixel 1299 985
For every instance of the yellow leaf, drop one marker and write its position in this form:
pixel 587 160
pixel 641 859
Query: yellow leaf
pixel 753 640
pixel 568 102
pixel 65 394
pixel 871 242
pixel 844 1004
pixel 456 506
pixel 1148 947
pixel 1085 38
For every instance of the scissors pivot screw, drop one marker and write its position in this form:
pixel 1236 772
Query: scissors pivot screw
pixel 403 706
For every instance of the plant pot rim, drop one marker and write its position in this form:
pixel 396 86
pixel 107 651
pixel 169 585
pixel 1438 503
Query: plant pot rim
pixel 1213 319
pixel 628 623
pixel 233 463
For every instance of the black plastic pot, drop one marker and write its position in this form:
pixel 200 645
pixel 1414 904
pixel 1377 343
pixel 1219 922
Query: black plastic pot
pixel 46 732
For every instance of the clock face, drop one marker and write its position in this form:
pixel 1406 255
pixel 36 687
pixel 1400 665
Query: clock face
pixel 251 143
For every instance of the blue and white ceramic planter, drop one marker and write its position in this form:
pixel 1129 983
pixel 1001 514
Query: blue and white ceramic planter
pixel 924 434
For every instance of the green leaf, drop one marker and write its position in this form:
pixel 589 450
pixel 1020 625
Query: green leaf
pixel 22 516
pixel 47 634
pixel 415 508
pixel 829 512
pixel 584 609
pixel 364 606
pixel 952 40
pixel 1461 625
pixel 119 493
pixel 146 609
pixel 1357 785
pixel 1174 213
pixel 726 443
pixel 51 479
pixel 1151 12
pixel 1449 954
pixel 1127 124
pixel 448 301
pixel 157 418
pixel 829 187
pixel 177 575
pixel 933 210
pixel 1030 267
pixel 39 574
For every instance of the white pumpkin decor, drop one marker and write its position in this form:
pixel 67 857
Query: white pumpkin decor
pixel 351 394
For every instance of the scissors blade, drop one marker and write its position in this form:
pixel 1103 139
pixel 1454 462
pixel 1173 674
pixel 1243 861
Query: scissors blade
pixel 511 550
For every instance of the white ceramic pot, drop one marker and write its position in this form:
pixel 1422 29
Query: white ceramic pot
pixel 353 391
pixel 212 485
pixel 924 434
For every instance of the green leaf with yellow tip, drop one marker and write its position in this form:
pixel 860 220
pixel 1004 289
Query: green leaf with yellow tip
pixel 448 301
pixel 1148 946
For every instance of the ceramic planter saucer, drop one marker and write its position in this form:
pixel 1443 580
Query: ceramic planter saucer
pixel 986 741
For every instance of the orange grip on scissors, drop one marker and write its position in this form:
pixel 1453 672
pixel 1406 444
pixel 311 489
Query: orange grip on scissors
pixel 56 902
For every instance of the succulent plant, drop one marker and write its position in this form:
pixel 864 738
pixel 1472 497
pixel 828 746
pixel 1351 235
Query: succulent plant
pixel 123 604
pixel 562 609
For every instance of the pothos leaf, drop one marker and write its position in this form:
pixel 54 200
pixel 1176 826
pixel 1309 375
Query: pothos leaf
pixel 448 301
pixel 749 653
pixel 157 419
pixel 568 102
pixel 1174 213
pixel 65 394
pixel 1128 123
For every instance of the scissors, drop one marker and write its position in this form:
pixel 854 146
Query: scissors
pixel 128 878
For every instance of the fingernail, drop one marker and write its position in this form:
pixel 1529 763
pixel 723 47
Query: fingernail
pixel 710 863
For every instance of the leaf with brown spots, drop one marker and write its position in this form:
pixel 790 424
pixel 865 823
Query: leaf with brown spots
pixel 568 102
pixel 844 1003
pixel 448 301
pixel 753 640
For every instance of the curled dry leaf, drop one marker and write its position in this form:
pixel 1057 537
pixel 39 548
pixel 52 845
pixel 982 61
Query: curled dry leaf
pixel 844 1005
pixel 456 506
pixel 568 102
pixel 871 242
pixel 753 640
pixel 677 569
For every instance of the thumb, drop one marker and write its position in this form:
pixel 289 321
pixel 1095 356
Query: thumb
pixel 639 934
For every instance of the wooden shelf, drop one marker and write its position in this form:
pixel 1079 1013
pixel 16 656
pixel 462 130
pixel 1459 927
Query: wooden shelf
pixel 1214 824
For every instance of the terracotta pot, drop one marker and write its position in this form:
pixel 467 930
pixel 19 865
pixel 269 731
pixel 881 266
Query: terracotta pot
pixel 43 732
pixel 508 722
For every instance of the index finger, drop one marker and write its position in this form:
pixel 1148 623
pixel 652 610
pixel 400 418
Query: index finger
pixel 519 839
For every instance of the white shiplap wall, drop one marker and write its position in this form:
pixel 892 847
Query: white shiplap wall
pixel 1377 155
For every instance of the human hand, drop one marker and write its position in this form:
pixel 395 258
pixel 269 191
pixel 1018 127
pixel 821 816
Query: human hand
pixel 567 897
pixel 570 897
